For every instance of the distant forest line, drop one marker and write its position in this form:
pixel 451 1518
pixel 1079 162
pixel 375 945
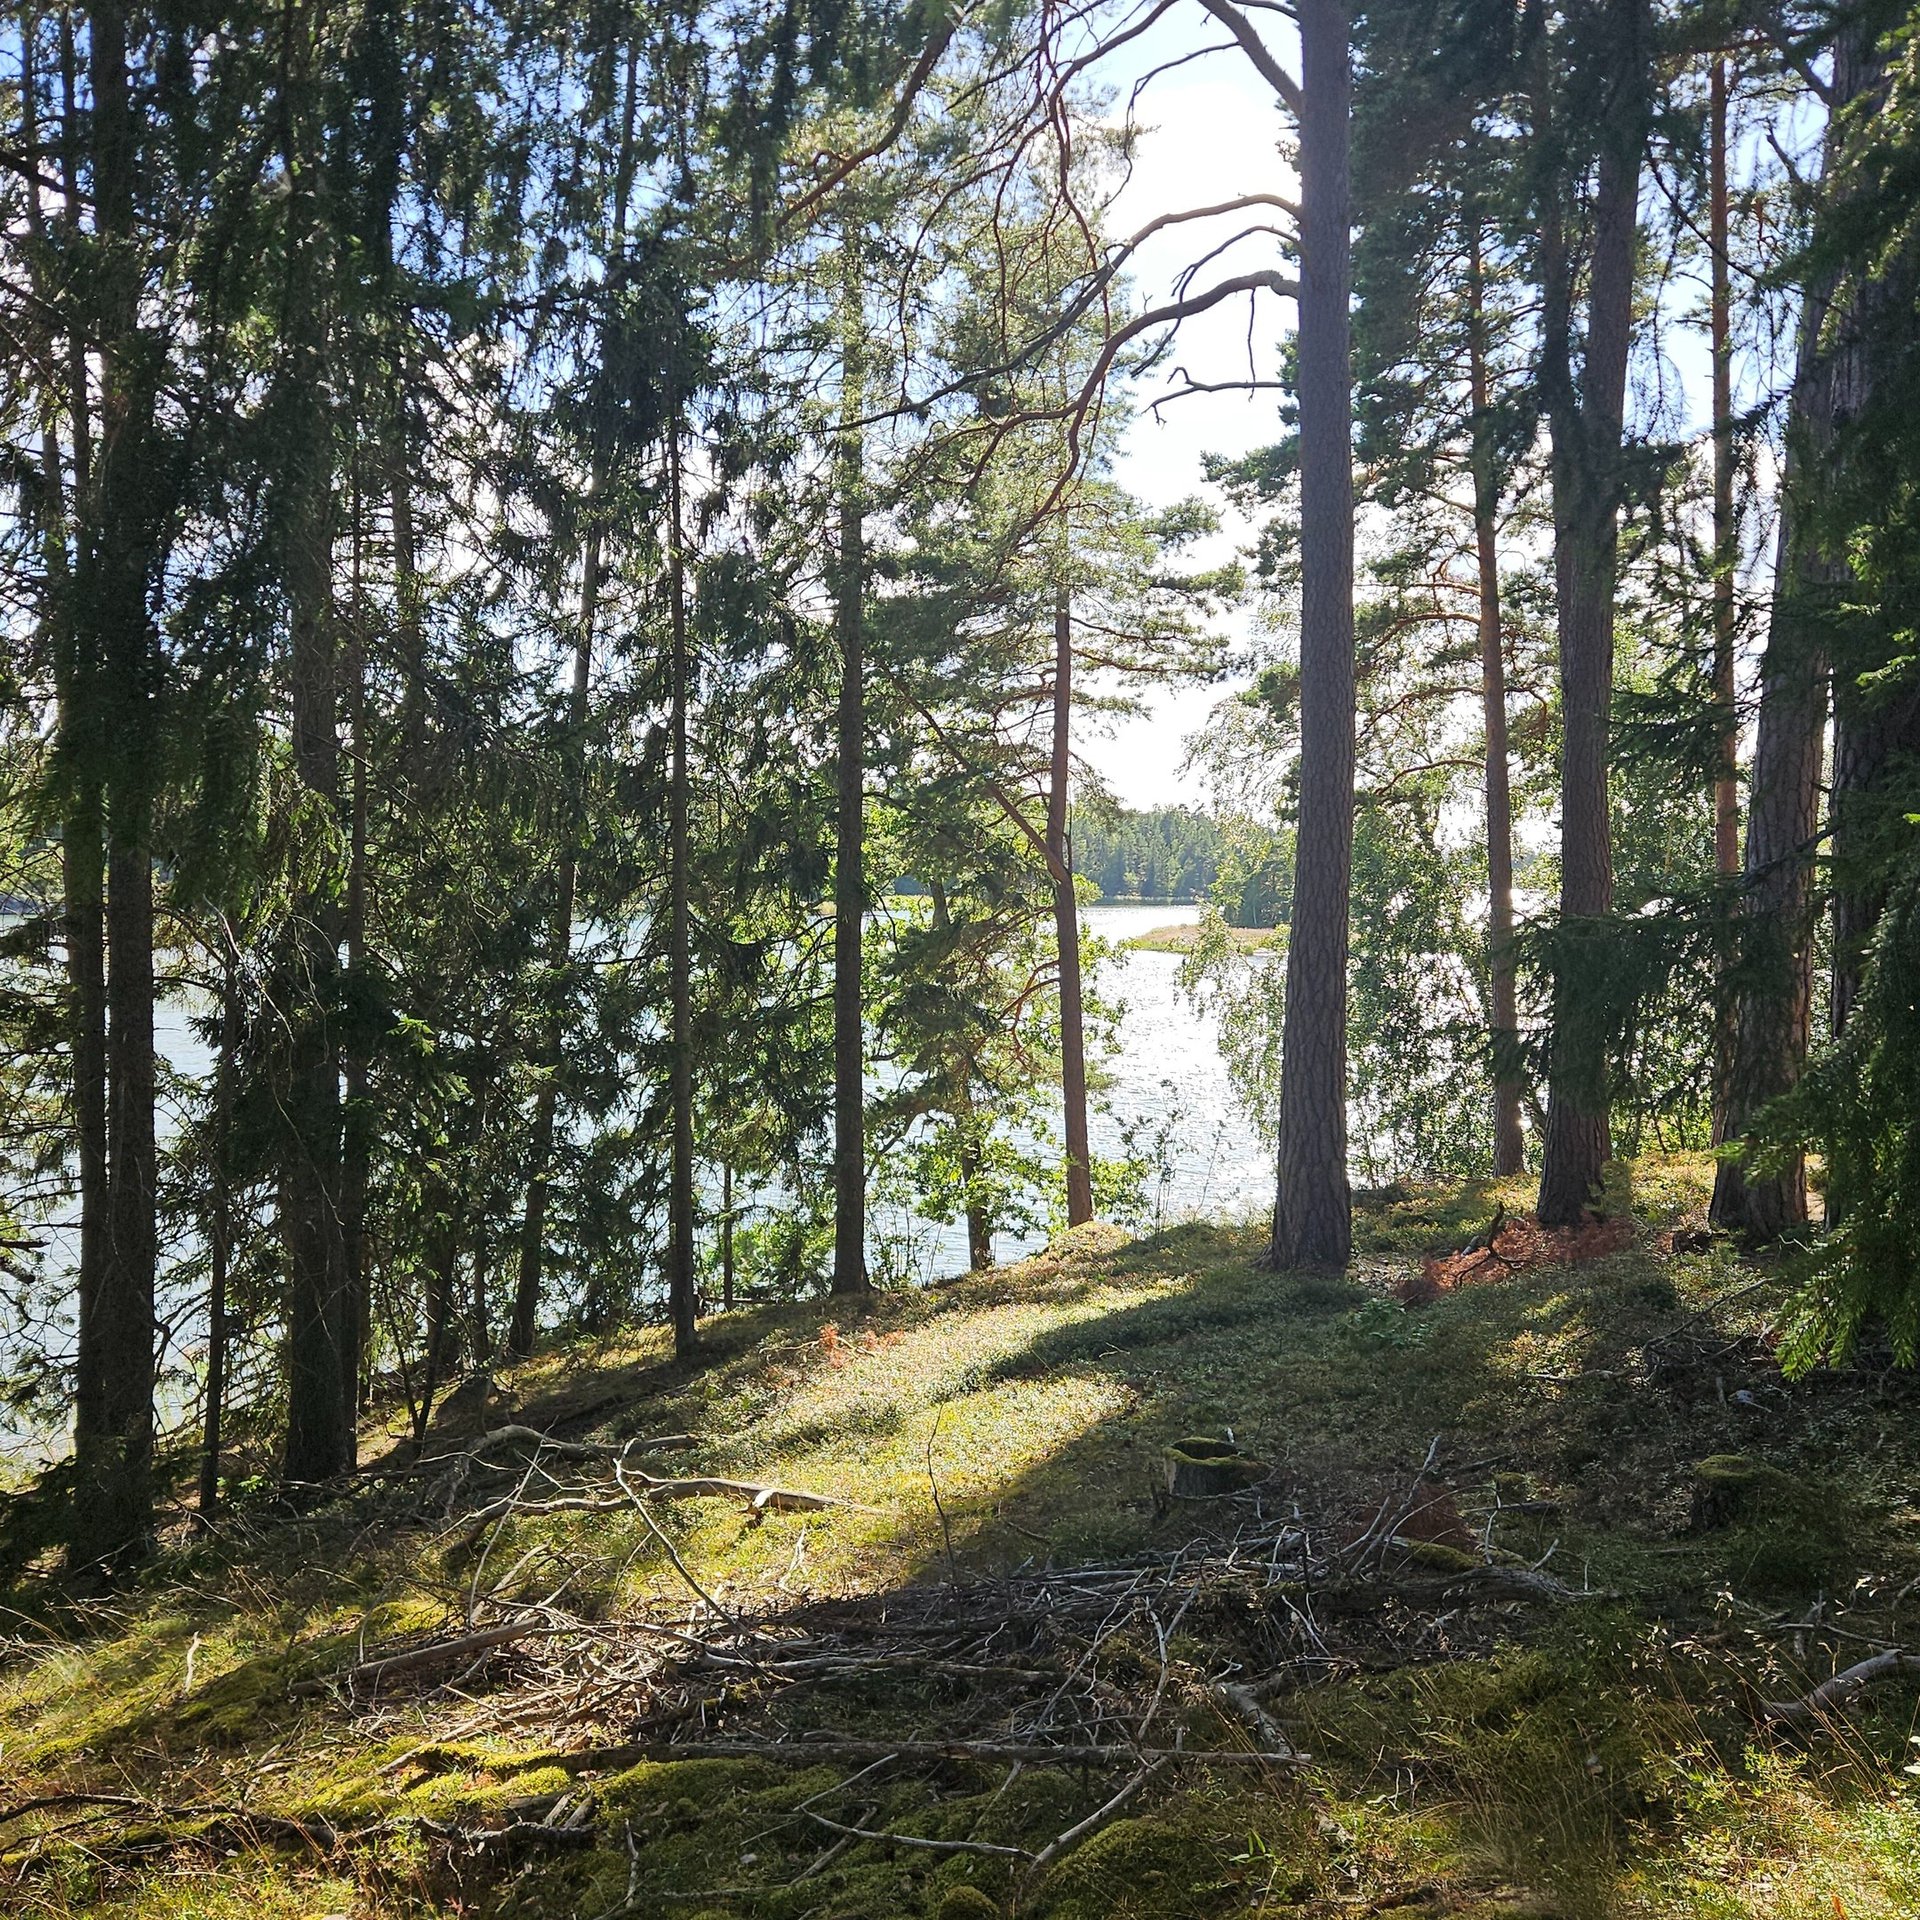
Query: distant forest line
pixel 1177 856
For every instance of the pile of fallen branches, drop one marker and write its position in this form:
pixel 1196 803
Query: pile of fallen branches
pixel 1060 1663
pixel 1094 1667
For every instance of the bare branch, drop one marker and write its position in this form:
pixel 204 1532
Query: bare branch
pixel 1257 50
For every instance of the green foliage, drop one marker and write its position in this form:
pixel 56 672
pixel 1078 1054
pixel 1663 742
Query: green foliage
pixel 1858 1105
pixel 1172 854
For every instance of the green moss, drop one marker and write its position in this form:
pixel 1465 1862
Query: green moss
pixel 966 1903
pixel 1435 1556
pixel 1166 1868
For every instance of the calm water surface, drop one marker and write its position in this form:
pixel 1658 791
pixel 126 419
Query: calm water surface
pixel 1163 1084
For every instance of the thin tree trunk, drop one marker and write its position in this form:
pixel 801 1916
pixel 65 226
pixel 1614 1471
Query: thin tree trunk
pixel 849 877
pixel 1509 1144
pixel 1586 432
pixel 442 1277
pixel 726 1236
pixel 524 1323
pixel 357 1121
pixel 682 1298
pixel 1066 927
pixel 1726 555
pixel 1726 529
pixel 119 557
pixel 83 876
pixel 219 1240
pixel 1312 1221
pixel 533 1226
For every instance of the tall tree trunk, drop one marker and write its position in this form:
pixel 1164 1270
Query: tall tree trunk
pixel 1312 1220
pixel 682 1299
pixel 1066 926
pixel 78 756
pixel 1509 1144
pixel 219 1241
pixel 1586 431
pixel 1726 526
pixel 533 1225
pixel 321 1320
pixel 849 866
pixel 119 557
pixel 524 1323
pixel 357 1118
pixel 1772 1015
pixel 1726 557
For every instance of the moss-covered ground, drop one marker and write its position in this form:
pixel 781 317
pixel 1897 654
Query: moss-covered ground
pixel 1600 1756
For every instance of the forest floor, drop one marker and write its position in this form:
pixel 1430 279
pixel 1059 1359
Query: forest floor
pixel 1473 1635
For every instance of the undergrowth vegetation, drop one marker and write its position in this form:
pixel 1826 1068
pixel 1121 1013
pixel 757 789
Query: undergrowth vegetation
pixel 1600 1747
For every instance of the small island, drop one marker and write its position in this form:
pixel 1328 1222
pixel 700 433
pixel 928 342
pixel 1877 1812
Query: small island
pixel 1184 936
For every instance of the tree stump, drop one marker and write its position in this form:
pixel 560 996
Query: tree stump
pixel 1199 1468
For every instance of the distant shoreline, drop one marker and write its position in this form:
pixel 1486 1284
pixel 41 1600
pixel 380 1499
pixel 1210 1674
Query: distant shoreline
pixel 1183 937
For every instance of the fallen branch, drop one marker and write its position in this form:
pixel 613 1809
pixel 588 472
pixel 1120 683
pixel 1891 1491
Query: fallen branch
pixel 646 1486
pixel 1094 1821
pixel 1844 1689
pixel 914 1840
pixel 844 1747
pixel 1244 1704
pixel 371 1675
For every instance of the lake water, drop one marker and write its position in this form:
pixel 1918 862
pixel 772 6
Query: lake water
pixel 1165 1082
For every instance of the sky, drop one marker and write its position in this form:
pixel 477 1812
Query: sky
pixel 1213 133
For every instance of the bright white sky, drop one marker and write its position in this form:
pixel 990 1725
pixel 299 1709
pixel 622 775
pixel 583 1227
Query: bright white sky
pixel 1213 134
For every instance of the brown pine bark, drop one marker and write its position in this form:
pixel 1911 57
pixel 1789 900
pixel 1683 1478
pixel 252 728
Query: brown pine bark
pixel 1772 1015
pixel 1586 424
pixel 1312 1222
pixel 1509 1144
pixel 1066 926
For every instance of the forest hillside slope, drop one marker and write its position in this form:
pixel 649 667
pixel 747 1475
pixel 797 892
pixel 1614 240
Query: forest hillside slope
pixel 895 1615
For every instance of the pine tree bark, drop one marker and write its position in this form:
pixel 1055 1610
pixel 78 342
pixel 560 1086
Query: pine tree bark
pixel 1772 1015
pixel 1586 424
pixel 357 1118
pixel 118 558
pixel 682 1295
pixel 1509 1144
pixel 1312 1220
pixel 1066 927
